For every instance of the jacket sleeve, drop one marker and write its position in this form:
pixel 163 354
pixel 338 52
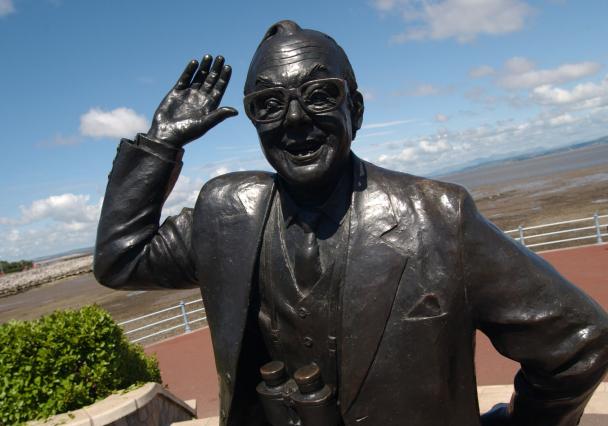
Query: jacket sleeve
pixel 536 317
pixel 132 251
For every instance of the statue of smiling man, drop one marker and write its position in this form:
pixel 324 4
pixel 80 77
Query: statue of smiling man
pixel 338 292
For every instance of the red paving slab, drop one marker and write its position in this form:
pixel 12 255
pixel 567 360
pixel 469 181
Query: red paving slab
pixel 583 266
pixel 586 267
pixel 188 368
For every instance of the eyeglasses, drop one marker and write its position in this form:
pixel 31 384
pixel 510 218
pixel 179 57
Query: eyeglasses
pixel 316 97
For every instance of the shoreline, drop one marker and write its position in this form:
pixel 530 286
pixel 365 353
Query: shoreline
pixel 21 282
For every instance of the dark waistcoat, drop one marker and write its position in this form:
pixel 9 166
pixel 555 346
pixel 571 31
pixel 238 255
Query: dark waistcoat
pixel 299 323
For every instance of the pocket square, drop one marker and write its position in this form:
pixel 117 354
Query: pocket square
pixel 427 306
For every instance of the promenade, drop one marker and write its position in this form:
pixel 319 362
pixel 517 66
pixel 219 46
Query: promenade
pixel 188 368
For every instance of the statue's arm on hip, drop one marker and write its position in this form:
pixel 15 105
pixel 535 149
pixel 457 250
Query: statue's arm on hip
pixel 534 316
pixel 132 251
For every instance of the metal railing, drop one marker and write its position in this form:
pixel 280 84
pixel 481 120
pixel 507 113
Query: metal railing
pixel 588 229
pixel 140 328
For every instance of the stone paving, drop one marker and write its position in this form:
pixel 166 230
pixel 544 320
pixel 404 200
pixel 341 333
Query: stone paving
pixel 596 413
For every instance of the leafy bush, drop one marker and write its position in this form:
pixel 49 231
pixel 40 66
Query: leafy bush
pixel 65 361
pixel 10 267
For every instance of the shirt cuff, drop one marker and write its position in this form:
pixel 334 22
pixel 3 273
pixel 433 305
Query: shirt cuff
pixel 159 148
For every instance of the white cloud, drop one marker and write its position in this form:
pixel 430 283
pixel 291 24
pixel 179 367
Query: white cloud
pixel 97 123
pixel 385 124
pixel 13 235
pixel 441 118
pixel 425 90
pixel 481 71
pixel 562 120
pixel 118 123
pixel 447 149
pixel 463 20
pixel 66 221
pixel 66 208
pixel 184 194
pixel 6 7
pixel 406 155
pixel 373 134
pixel 31 242
pixel 481 95
pixel 593 94
pixel 50 225
pixel 434 147
pixel 519 65
pixel 220 171
pixel 385 5
pixel 521 73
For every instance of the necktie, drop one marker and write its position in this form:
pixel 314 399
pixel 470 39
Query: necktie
pixel 307 263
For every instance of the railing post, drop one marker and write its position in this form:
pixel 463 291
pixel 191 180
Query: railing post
pixel 521 235
pixel 182 306
pixel 598 230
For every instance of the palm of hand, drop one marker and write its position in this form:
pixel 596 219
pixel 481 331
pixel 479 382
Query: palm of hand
pixel 189 110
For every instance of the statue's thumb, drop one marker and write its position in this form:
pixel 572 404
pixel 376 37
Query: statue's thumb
pixel 221 114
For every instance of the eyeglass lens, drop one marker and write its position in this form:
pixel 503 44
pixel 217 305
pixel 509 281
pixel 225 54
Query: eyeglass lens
pixel 316 97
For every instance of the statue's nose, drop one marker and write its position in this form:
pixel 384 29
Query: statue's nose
pixel 296 115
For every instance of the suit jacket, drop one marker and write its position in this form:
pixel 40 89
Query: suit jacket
pixel 424 271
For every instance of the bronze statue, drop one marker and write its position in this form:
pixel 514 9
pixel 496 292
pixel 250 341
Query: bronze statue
pixel 338 292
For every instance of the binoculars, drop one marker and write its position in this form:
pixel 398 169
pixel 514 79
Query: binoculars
pixel 302 401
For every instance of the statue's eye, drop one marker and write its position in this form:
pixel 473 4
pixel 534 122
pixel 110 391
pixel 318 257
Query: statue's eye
pixel 319 97
pixel 267 106
pixel 272 104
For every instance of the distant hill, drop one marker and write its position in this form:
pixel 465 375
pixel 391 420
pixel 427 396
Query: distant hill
pixel 509 158
pixel 66 254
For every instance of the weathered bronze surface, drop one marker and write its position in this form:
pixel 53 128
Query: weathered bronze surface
pixel 365 284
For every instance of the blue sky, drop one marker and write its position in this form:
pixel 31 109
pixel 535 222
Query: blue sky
pixel 446 82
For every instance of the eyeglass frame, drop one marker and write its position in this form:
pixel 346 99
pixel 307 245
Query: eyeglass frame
pixel 294 93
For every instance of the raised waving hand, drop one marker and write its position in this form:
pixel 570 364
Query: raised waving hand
pixel 190 108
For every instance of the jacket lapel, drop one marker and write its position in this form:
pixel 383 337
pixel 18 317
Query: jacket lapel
pixel 228 235
pixel 373 272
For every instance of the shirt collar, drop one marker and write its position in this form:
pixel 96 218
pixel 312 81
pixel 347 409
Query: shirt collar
pixel 334 208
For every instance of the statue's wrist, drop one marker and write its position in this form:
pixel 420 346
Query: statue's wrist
pixel 164 136
pixel 159 148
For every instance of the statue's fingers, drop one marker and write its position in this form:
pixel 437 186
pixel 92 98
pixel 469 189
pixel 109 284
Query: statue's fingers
pixel 202 72
pixel 220 115
pixel 222 82
pixel 184 79
pixel 214 74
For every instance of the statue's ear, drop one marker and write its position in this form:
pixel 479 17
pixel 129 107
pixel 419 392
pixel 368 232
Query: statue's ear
pixel 356 112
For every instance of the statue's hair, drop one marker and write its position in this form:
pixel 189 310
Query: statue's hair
pixel 288 28
pixel 285 27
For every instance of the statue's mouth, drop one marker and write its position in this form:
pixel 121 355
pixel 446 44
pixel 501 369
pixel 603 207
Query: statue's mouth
pixel 304 151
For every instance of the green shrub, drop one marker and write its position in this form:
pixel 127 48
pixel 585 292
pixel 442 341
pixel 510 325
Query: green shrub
pixel 65 361
pixel 10 267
